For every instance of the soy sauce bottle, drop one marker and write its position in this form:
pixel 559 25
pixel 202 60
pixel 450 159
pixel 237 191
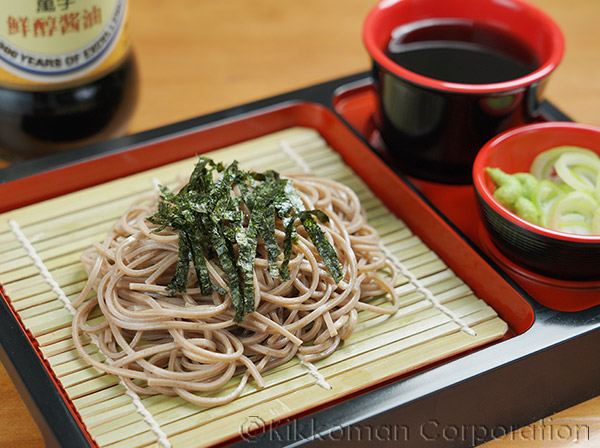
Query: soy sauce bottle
pixel 67 74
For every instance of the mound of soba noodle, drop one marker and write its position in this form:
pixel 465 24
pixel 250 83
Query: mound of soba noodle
pixel 187 344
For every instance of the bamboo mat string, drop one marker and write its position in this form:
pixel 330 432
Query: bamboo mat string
pixel 296 158
pixel 426 292
pixel 37 261
pixel 312 369
pixel 163 441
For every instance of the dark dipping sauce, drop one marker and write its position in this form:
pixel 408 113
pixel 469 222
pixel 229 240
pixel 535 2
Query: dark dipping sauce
pixel 433 131
pixel 461 51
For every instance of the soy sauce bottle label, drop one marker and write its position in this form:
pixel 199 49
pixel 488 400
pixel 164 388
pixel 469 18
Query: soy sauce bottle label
pixel 50 42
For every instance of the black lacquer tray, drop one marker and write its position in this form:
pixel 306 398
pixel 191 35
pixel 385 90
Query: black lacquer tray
pixel 546 363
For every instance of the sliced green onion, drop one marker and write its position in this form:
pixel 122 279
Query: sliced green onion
pixel 546 193
pixel 578 170
pixel 576 228
pixel 574 207
pixel 543 165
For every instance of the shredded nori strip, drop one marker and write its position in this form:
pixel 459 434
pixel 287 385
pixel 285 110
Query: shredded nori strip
pixel 318 238
pixel 214 223
pixel 179 280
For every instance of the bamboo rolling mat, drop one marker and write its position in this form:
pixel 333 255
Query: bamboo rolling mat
pixel 40 246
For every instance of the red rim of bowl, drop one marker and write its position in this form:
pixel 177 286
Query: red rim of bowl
pixel 378 55
pixel 479 177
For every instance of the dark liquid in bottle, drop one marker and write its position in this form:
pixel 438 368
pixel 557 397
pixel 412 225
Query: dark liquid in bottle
pixel 461 51
pixel 35 123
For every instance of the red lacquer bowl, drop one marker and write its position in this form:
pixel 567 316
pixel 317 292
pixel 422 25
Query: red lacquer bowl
pixel 435 127
pixel 551 253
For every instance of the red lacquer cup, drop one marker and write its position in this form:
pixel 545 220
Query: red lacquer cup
pixel 434 127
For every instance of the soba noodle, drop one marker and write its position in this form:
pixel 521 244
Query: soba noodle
pixel 187 344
